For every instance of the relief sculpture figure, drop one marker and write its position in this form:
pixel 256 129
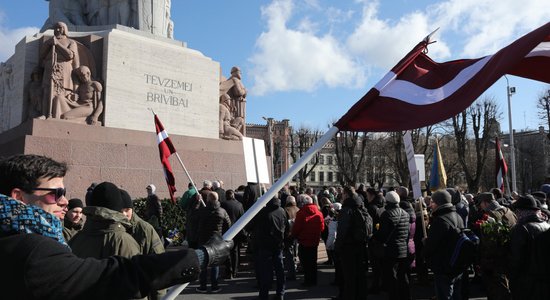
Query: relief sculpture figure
pixel 59 57
pixel 84 104
pixel 237 92
pixel 229 126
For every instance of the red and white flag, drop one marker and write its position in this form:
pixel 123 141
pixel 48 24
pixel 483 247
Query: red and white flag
pixel 501 167
pixel 166 148
pixel 419 91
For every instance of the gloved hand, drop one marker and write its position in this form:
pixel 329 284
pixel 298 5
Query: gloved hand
pixel 217 250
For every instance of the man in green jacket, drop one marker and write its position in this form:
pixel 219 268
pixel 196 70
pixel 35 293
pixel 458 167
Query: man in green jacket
pixel 145 235
pixel 104 233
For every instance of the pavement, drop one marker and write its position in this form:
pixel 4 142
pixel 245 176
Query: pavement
pixel 244 286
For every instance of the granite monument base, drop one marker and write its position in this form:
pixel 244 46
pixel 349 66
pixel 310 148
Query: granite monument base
pixel 128 158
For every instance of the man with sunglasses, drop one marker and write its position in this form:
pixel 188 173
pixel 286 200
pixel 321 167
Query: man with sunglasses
pixel 37 262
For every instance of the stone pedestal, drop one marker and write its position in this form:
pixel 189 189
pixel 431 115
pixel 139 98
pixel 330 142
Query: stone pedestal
pixel 128 158
pixel 139 72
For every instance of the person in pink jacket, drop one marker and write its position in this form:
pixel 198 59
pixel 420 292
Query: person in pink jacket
pixel 307 230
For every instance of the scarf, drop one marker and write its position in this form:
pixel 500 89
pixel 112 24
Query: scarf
pixel 19 218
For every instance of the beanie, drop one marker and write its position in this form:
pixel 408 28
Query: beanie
pixel 107 195
pixel 392 197
pixel 441 197
pixel 75 202
pixel 151 187
pixel 545 188
pixel 455 195
pixel 126 199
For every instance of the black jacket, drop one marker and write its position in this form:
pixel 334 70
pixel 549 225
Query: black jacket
pixel 212 219
pixel 38 267
pixel 438 248
pixel 396 240
pixel 270 226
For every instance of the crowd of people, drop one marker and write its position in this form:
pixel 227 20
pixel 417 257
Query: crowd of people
pixel 59 248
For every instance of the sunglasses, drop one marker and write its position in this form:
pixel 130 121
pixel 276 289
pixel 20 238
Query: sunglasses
pixel 53 192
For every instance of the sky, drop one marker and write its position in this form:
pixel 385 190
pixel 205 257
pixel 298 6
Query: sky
pixel 309 61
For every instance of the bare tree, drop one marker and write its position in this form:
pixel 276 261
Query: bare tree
pixel 478 123
pixel 300 141
pixel 543 104
pixel 350 153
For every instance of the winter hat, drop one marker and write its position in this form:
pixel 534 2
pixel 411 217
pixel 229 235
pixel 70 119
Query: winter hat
pixel 337 206
pixel 75 202
pixel 455 195
pixel 526 202
pixel 392 197
pixel 541 196
pixel 151 187
pixel 126 199
pixel 545 188
pixel 441 197
pixel 106 194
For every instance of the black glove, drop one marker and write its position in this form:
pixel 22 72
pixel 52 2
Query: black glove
pixel 217 250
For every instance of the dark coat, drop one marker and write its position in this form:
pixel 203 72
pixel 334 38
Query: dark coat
pixel 70 228
pixel 376 208
pixel 212 219
pixel 270 227
pixel 345 229
pixel 438 249
pixel 395 240
pixel 38 267
pixel 525 284
pixel 235 210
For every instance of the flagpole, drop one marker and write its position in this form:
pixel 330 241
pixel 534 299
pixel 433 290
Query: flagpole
pixel 262 201
pixel 189 176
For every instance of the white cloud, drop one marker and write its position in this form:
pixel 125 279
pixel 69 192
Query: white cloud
pixel 483 27
pixel 382 43
pixel 289 59
pixel 9 37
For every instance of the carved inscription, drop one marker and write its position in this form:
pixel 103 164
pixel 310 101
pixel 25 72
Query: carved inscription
pixel 168 91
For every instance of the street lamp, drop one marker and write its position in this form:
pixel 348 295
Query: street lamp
pixel 509 92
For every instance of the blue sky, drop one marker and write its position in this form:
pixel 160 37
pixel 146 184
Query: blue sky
pixel 309 61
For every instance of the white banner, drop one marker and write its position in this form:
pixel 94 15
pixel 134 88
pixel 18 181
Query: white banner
pixel 413 170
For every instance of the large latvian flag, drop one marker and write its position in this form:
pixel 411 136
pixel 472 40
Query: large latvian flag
pixel 419 91
pixel 501 167
pixel 166 148
pixel 438 176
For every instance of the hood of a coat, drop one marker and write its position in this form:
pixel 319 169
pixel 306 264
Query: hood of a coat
pixel 102 214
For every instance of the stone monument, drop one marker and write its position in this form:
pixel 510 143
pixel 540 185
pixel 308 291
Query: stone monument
pixel 83 89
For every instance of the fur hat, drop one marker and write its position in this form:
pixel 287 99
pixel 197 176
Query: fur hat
pixel 126 199
pixel 75 202
pixel 392 197
pixel 526 202
pixel 441 197
pixel 106 194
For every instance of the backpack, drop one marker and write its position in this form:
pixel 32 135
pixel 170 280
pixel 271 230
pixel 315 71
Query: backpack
pixel 465 245
pixel 362 225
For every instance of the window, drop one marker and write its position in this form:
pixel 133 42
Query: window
pixel 329 161
pixel 329 176
pixel 312 176
pixel 321 176
pixel 321 159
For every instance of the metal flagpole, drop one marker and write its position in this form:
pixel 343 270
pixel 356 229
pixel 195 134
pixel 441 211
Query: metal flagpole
pixel 189 176
pixel 262 201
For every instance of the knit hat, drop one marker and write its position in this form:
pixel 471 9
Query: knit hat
pixel 152 187
pixel 441 197
pixel 545 188
pixel 106 194
pixel 126 199
pixel 526 202
pixel 392 197
pixel 337 206
pixel 455 195
pixel 75 202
